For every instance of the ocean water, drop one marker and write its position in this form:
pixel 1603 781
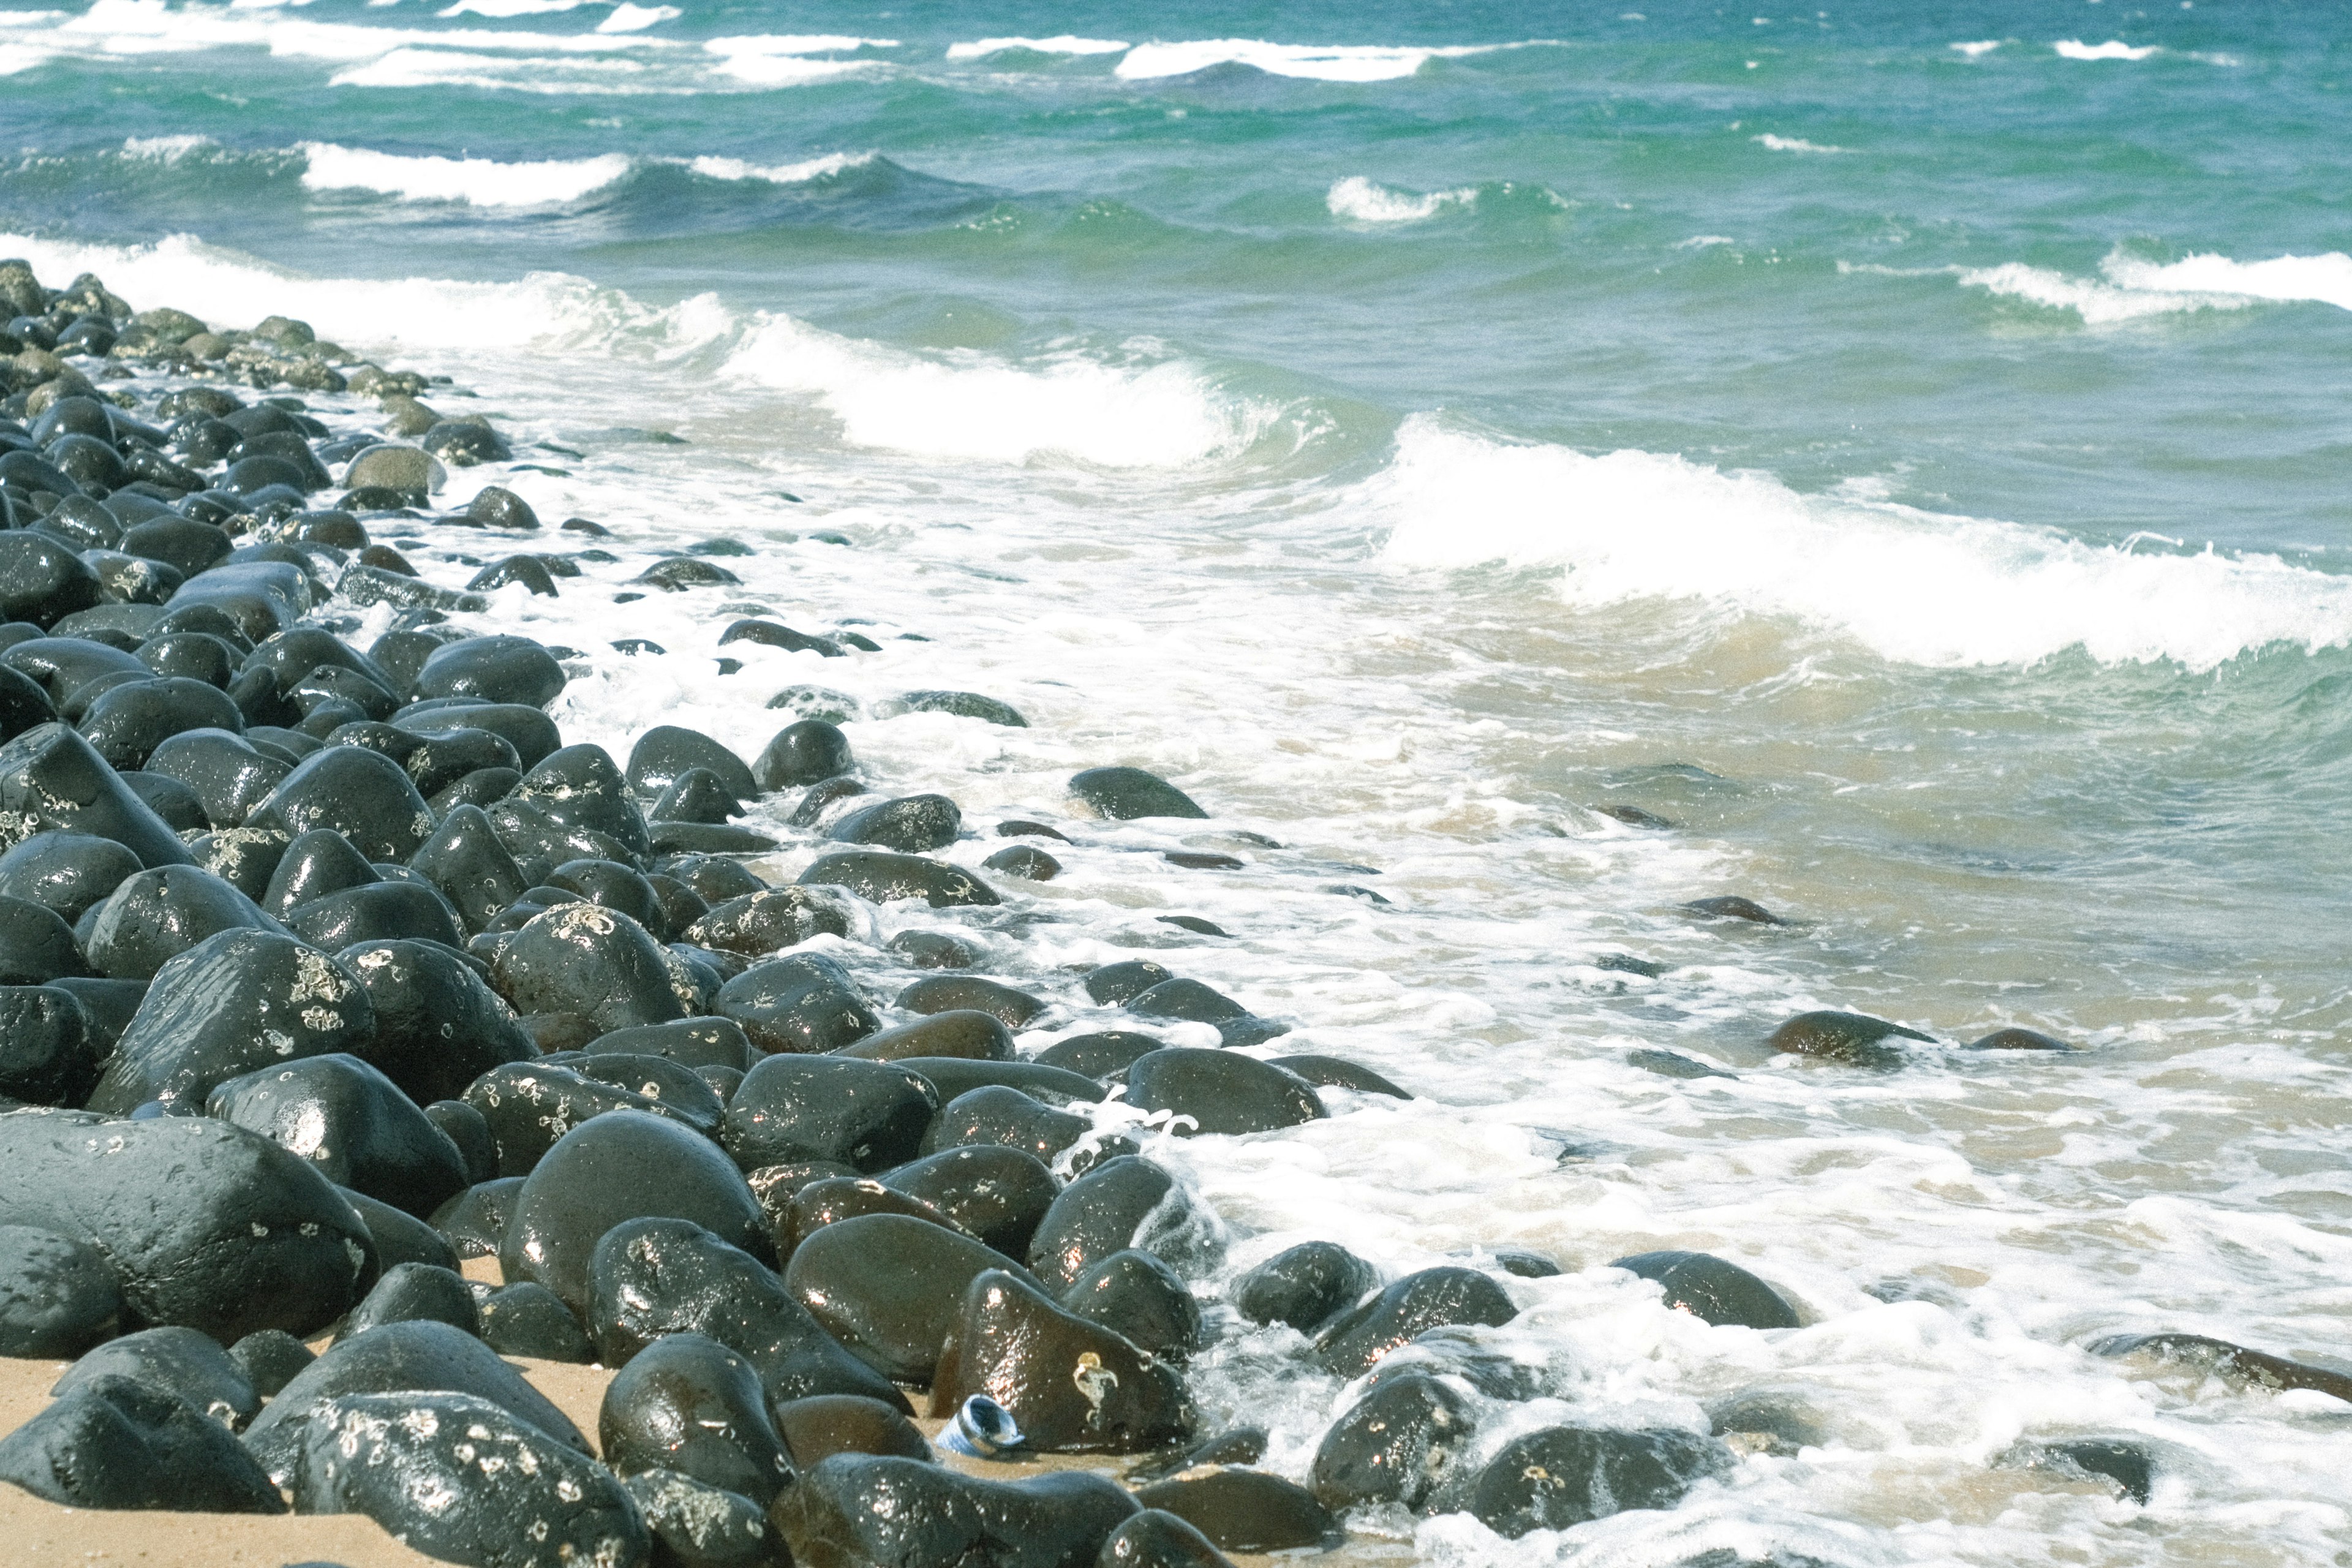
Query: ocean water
pixel 1903 447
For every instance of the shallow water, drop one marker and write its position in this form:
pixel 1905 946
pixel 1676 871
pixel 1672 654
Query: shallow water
pixel 1914 472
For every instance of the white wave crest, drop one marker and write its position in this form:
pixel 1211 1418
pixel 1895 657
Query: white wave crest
pixel 16 58
pixel 1978 48
pixel 1703 242
pixel 1060 43
pixel 1335 63
pixel 629 18
pixel 455 68
pixel 1912 587
pixel 2132 289
pixel 478 182
pixel 780 173
pixel 782 60
pixel 510 7
pixel 166 149
pixel 1363 201
pixel 2113 49
pixel 974 405
pixel 1795 144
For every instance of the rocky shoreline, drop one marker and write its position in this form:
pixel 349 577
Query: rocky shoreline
pixel 366 1030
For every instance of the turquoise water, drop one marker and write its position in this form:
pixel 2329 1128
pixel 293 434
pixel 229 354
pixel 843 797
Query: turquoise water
pixel 1906 448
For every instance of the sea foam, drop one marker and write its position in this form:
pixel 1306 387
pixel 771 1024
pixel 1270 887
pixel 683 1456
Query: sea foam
pixel 478 182
pixel 2130 288
pixel 798 173
pixel 1333 63
pixel 1914 587
pixel 2113 49
pixel 1364 201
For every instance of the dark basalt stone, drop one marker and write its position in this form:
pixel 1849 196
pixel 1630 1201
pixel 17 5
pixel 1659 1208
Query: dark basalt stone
pixel 877 1512
pixel 954 1076
pixel 42 580
pixel 1435 1298
pixel 888 1286
pixel 460 1479
pixel 1712 1289
pixel 205 1225
pixel 598 963
pixel 195 656
pixel 816 1428
pixel 270 1359
pixel 529 1319
pixel 757 924
pixel 353 1123
pixel 57 1295
pixel 243 858
pixel 690 1042
pixel 529 1105
pixel 881 877
pixel 453 755
pixel 415 1293
pixel 1125 794
pixel 1188 1000
pixel 656 1277
pixel 1139 1298
pixel 2222 1359
pixel 579 788
pixel 50 779
pixel 931 950
pixel 118 1444
pixel 696 797
pixel 529 732
pixel 770 633
pixel 805 752
pixel 230 776
pixel 2020 1039
pixel 687 1403
pixel 400 1237
pixel 154 916
pixel 835 1199
pixel 1331 1072
pixel 911 826
pixel 1026 861
pixel 1221 1091
pixel 2128 1465
pixel 708 839
pixel 1732 906
pixel 996 1194
pixel 1126 1202
pixel 799 1004
pixel 495 506
pixel 623 1165
pixel 1855 1038
pixel 1115 983
pixel 393 1357
pixel 1244 1511
pixel 437 1025
pixel 963 1032
pixel 126 722
pixel 1158 1539
pixel 994 1115
pixel 610 885
pixel 667 752
pixel 821 798
pixel 676 1089
pixel 363 794
pixel 69 873
pixel 1394 1445
pixel 318 862
pixel 679 573
pixel 188 1365
pixel 1565 1476
pixel 492 670
pixel 1071 1386
pixel 385 911
pixel 36 946
pixel 1020 827
pixel 966 705
pixel 698 1526
pixel 944 993
pixel 474 1221
pixel 464 858
pixel 232 1004
pixel 169 799
pixel 1104 1054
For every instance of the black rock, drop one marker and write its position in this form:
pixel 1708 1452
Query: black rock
pixel 529 1105
pixel 363 794
pixel 230 776
pixel 69 873
pixel 1185 999
pixel 945 992
pixel 1125 794
pixel 383 911
pixel 529 1319
pixel 474 1221
pixel 174 802
pixel 887 1287
pixel 1713 1289
pixel 2235 1362
pixel 57 1295
pixel 2020 1039
pixel 116 1443
pixel 995 1114
pixel 42 580
pixel 232 1004
pixel 451 756
pixel 1852 1038
pixel 270 1359
pixel 966 705
pixel 529 732
pixel 353 1123
pixel 621 1166
pixel 1732 906
pixel 802 1004
pixel 414 1293
pixel 439 1026
pixel 880 877
pixel 460 1479
pixel 699 1526
pixel 580 958
pixel 667 752
pixel 1394 1445
pixel 1104 1054
pixel 886 1513
pixel 1158 1539
pixel 817 1428
pixel 687 1403
pixel 579 788
pixel 1115 983
pixel 1565 1476
pixel 833 1200
pixel 802 754
pixel 464 858
pixel 931 950
pixel 495 670
pixel 656 1277
pixel 1070 1385
pixel 1305 1287
pixel 1433 1298
pixel 181 1361
pixel 1137 1297
pixel 1244 1511
pixel 868 1115
pixel 696 797
pixel 1221 1091
pixel 315 864
pixel 1331 1072
pixel 50 779
pixel 205 1225
pixel 675 1088
pixel 400 1237
pixel 960 1033
pixel 910 826
pixel 691 1042
pixel 36 946
pixel 995 1193
pixel 126 722
pixel 1026 861
pixel 1126 1202
pixel 757 924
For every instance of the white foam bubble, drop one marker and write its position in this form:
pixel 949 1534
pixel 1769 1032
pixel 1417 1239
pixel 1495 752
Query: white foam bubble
pixel 1322 63
pixel 510 7
pixel 2325 280
pixel 478 182
pixel 1364 201
pixel 973 406
pixel 1978 48
pixel 16 58
pixel 166 149
pixel 1703 242
pixel 780 173
pixel 2113 49
pixel 629 18
pixel 782 60
pixel 1060 43
pixel 1795 144
pixel 1912 587
pixel 455 68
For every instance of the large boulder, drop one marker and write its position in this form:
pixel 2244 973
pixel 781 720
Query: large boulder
pixel 50 779
pixel 1072 1387
pixel 883 1511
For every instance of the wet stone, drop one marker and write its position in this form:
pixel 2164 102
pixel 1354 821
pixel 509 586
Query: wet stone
pixel 470 1135
pixel 1126 1202
pixel 49 1053
pixel 474 1221
pixel 1124 794
pixel 699 1526
pixel 1332 1072
pixel 465 860
pixel 270 1359
pixel 805 752
pixel 816 1428
pixel 887 1287
pixel 57 1295
pixel 363 794
pixel 960 1032
pixel 1103 1054
pixel 890 1512
pixel 1244 1509
pixel 997 1114
pixel 580 958
pixel 1071 1386
pixel 687 1403
pixel 940 994
pixel 1566 1475
pixel 932 950
pixel 189 1365
pixel 529 1320
pixel 995 1193
pixel 909 826
pixel 1433 1298
pixel 415 1293
pixel 1139 1297
pixel 757 924
pixel 1114 984
pixel 1394 1445
pixel 50 779
pixel 1855 1038
pixel 494 669
pixel 881 877
pixel 231 775
pixel 801 1005
pixel 1158 1539
pixel 1026 861
pixel 1713 1289
pixel 438 1025
pixel 667 752
pixel 115 1443
pixel 1221 1092
pixel 353 1123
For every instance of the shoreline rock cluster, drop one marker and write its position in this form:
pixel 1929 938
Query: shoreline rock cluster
pixel 323 970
